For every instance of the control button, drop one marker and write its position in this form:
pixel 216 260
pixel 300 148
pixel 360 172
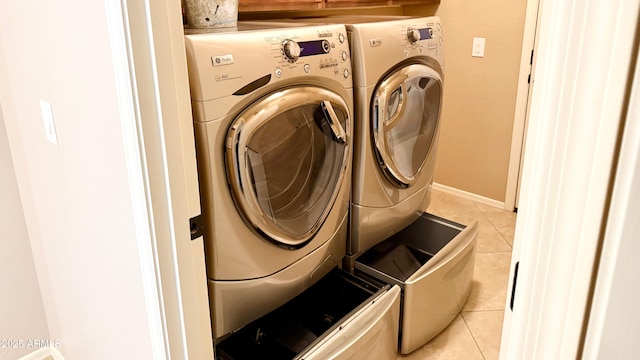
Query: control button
pixel 290 50
pixel 307 68
pixel 421 49
pixel 345 73
pixel 278 72
pixel 326 47
pixel 344 56
pixel 413 35
pixel 341 38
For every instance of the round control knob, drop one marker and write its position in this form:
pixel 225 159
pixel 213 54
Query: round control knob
pixel 413 35
pixel 290 50
pixel 326 46
pixel 341 38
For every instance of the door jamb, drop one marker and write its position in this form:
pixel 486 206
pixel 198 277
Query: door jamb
pixel 525 82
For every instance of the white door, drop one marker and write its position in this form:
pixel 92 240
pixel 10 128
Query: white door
pixel 576 110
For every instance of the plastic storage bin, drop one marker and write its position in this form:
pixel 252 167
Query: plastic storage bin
pixel 432 261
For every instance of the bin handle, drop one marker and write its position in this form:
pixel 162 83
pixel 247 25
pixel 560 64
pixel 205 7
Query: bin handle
pixel 450 251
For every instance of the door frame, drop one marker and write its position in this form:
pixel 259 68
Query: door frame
pixel 525 85
pixel 164 174
pixel 147 45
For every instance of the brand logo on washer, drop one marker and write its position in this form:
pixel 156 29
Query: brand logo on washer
pixel 222 60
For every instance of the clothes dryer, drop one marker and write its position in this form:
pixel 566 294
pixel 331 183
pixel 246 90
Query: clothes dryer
pixel 398 85
pixel 272 112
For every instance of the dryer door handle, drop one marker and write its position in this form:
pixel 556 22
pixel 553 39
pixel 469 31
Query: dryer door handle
pixel 334 122
pixel 391 117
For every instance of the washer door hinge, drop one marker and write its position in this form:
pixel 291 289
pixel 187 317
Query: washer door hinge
pixel 196 224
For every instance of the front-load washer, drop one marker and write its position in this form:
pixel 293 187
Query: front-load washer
pixel 398 66
pixel 273 125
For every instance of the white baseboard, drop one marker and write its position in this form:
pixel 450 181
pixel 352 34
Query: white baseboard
pixel 43 353
pixel 471 196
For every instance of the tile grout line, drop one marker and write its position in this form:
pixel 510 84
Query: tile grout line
pixel 473 336
pixel 495 227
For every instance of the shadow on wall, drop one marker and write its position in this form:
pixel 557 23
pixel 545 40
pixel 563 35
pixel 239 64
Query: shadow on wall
pixel 22 316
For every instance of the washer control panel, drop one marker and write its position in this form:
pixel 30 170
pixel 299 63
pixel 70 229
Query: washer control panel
pixel 316 50
pixel 237 62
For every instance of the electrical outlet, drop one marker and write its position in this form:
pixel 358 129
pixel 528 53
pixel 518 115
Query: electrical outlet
pixel 478 47
pixel 47 118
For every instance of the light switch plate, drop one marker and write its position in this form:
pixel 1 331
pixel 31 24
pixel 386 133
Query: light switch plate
pixel 478 47
pixel 47 118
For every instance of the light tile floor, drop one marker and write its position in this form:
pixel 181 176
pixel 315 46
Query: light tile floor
pixel 475 332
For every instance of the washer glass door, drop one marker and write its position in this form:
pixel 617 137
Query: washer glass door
pixel 286 157
pixel 405 114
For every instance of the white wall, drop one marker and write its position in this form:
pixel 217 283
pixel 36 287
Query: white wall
pixel 21 311
pixel 76 197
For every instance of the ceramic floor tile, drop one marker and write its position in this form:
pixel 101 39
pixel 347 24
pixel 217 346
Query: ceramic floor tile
pixel 489 239
pixel 486 328
pixel 443 203
pixel 453 343
pixel 490 280
pixel 505 223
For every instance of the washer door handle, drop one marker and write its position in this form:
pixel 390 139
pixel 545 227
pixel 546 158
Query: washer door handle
pixel 334 122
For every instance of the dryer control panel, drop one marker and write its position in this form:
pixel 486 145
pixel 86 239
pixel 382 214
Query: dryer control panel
pixel 424 36
pixel 221 64
pixel 382 45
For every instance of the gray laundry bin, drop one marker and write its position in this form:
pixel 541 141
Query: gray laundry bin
pixel 432 260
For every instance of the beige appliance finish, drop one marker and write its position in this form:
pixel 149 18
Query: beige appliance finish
pixel 393 159
pixel 339 317
pixel 432 260
pixel 392 240
pixel 398 65
pixel 272 116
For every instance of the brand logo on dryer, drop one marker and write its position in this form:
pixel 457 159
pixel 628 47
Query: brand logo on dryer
pixel 222 60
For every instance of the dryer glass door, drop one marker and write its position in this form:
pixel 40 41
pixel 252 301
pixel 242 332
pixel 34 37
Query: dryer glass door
pixel 286 157
pixel 405 114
